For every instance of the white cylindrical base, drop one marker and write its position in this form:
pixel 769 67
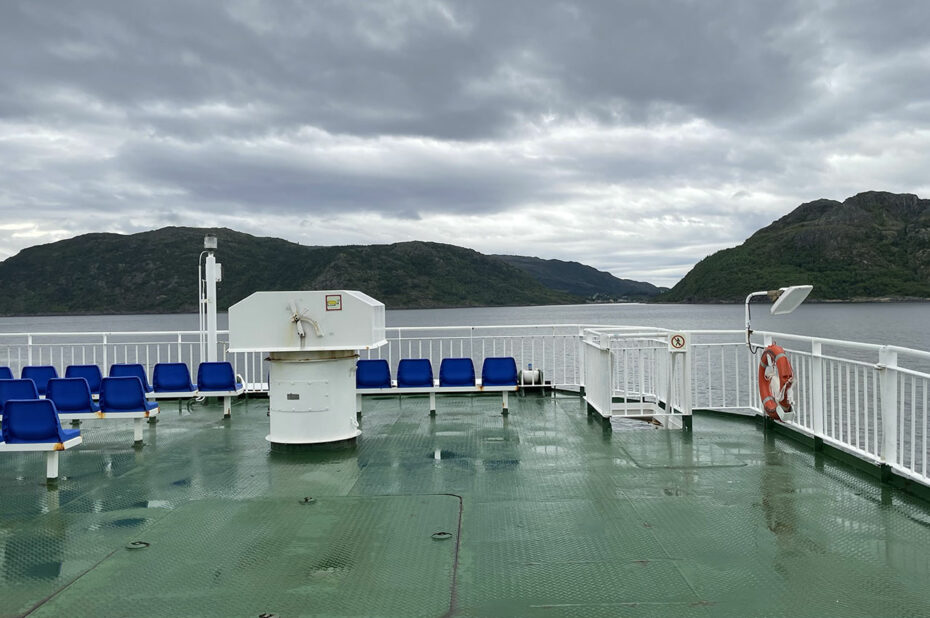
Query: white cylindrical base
pixel 312 398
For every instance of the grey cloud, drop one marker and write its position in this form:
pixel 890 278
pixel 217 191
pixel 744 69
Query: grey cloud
pixel 356 68
pixel 276 181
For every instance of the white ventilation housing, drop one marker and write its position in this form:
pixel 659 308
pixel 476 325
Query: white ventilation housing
pixel 312 339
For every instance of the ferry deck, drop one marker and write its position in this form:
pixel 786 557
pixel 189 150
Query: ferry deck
pixel 548 511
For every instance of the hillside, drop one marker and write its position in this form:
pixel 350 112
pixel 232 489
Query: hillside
pixel 872 245
pixel 581 280
pixel 156 272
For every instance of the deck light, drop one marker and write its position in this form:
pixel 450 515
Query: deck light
pixel 208 274
pixel 784 301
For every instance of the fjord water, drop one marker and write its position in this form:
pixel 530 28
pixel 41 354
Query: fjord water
pixel 903 324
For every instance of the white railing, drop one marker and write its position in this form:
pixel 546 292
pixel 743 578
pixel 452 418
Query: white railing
pixel 105 349
pixel 634 372
pixel 868 400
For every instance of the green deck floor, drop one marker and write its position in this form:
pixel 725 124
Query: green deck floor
pixel 550 515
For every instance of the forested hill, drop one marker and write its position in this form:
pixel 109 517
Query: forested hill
pixel 581 279
pixel 156 272
pixel 873 245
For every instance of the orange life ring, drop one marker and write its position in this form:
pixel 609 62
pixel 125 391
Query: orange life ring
pixel 775 380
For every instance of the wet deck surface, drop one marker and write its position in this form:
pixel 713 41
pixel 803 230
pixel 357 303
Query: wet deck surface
pixel 549 515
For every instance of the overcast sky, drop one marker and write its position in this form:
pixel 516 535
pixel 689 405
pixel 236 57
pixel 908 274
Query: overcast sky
pixel 637 137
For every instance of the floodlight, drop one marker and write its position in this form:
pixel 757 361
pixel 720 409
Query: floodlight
pixel 789 298
pixel 785 300
pixel 209 242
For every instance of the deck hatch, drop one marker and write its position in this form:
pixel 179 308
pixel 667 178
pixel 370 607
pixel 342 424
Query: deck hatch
pixel 271 555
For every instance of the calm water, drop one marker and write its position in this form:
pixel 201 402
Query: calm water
pixel 904 324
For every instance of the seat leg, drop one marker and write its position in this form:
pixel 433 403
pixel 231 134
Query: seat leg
pixel 504 401
pixel 137 430
pixel 51 465
pixel 227 407
pixel 432 404
pixel 358 404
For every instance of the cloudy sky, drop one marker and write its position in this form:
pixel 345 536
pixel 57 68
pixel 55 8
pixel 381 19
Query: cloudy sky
pixel 633 136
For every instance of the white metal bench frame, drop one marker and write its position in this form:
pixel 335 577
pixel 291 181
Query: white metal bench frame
pixel 432 391
pixel 51 452
pixel 137 418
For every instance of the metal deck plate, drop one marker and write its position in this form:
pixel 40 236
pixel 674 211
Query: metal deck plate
pixel 331 556
pixel 559 517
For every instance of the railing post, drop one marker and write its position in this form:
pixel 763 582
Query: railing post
pixel 106 365
pixel 817 387
pixel 888 379
pixel 29 349
pixel 679 377
pixel 580 355
pixel 686 375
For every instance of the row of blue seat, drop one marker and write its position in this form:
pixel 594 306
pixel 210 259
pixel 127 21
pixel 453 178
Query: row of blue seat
pixel 30 423
pixel 73 396
pixel 415 376
pixel 166 377
pixel 453 372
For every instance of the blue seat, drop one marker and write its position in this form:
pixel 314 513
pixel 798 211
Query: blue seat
pixel 217 376
pixel 456 372
pixel 17 389
pixel 34 421
pixel 499 371
pixel 6 373
pixel 373 373
pixel 91 373
pixel 124 394
pixel 172 378
pixel 123 370
pixel 71 396
pixel 414 373
pixel 40 374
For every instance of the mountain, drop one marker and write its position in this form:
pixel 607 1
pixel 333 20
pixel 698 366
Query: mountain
pixel 156 272
pixel 872 245
pixel 581 280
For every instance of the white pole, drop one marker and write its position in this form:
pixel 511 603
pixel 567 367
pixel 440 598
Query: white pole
pixel 51 465
pixel 210 276
pixel 200 303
